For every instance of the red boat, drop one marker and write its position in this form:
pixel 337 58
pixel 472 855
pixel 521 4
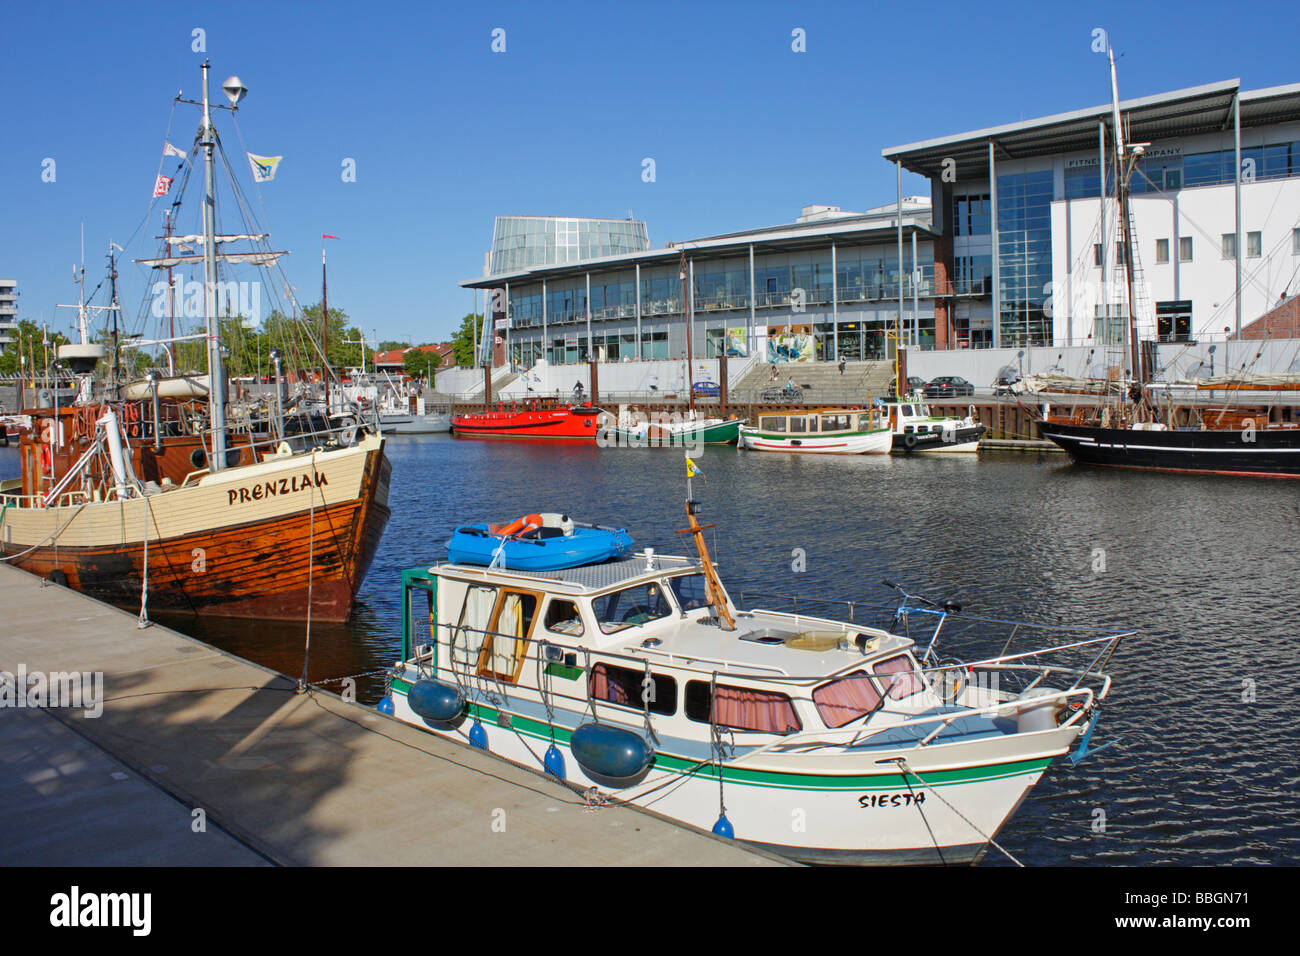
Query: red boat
pixel 531 421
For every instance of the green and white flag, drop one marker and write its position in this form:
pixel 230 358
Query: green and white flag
pixel 263 167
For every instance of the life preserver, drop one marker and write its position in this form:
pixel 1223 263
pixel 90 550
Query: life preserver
pixel 131 414
pixel 47 460
pixel 909 441
pixel 518 526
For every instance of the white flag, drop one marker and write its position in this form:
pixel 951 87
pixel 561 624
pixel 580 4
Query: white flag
pixel 170 150
pixel 263 167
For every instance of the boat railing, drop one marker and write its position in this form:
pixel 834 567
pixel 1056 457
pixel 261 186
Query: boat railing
pixel 1030 668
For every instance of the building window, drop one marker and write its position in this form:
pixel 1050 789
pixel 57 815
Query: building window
pixel 1229 245
pixel 1162 250
pixel 1295 242
pixel 1254 245
pixel 1096 254
pixel 1184 248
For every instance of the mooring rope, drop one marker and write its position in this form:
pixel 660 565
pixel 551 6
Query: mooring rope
pixel 906 769
pixel 144 621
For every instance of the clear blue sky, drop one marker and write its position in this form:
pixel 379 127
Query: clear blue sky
pixel 447 134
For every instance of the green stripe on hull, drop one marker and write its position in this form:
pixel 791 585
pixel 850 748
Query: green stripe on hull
pixel 772 778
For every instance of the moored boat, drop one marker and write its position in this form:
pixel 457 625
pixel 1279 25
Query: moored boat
pixel 827 431
pixel 537 542
pixel 642 680
pixel 915 429
pixel 533 420
pixel 666 433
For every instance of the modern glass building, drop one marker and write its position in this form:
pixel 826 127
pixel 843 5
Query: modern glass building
pixel 824 286
pixel 1029 209
pixel 525 242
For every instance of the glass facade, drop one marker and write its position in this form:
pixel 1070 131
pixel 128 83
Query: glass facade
pixel 1025 256
pixel 868 281
pixel 526 242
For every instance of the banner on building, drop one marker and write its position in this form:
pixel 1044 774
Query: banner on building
pixel 789 343
pixel 737 343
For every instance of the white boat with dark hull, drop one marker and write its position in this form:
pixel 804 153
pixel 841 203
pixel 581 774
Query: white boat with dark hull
pixel 641 680
pixel 915 429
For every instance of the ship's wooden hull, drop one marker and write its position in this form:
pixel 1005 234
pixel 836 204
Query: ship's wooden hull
pixel 248 542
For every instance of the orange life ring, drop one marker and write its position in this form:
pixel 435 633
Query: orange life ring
pixel 47 460
pixel 518 526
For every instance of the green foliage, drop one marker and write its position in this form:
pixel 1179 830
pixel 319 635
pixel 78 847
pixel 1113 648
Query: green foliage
pixel 30 339
pixel 417 363
pixel 462 343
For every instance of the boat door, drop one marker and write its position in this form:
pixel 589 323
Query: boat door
pixel 510 628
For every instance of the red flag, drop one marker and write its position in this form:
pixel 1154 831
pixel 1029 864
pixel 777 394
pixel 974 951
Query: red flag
pixel 161 186
pixel 323 236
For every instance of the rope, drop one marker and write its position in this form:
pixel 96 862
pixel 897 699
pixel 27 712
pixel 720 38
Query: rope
pixel 906 769
pixel 715 738
pixel 144 576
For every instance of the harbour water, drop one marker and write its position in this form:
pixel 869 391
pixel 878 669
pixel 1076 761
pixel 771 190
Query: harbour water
pixel 1205 757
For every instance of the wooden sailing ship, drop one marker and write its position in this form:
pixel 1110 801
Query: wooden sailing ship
pixel 1137 430
pixel 166 504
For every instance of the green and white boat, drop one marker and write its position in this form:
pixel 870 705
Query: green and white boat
pixel 819 431
pixel 663 431
pixel 826 740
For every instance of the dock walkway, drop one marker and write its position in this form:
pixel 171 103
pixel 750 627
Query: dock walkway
pixel 285 778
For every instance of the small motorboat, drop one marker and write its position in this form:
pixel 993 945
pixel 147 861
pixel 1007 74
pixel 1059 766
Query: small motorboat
pixel 537 542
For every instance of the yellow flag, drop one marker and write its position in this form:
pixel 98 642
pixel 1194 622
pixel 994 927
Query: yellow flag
pixel 692 469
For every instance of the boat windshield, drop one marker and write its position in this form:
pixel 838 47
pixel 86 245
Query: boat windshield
pixel 691 591
pixel 629 607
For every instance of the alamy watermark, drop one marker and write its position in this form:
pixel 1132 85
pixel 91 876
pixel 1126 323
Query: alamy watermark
pixel 186 299
pixel 83 690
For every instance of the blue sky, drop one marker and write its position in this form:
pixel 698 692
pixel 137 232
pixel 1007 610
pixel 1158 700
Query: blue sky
pixel 447 134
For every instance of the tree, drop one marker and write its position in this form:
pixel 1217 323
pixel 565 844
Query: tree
pixel 29 342
pixel 417 363
pixel 463 342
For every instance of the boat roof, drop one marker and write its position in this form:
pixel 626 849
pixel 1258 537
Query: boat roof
pixel 587 579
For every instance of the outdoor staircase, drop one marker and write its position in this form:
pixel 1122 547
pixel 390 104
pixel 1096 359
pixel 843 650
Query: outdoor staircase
pixel 822 382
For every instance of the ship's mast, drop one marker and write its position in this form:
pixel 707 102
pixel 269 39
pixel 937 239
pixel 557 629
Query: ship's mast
pixel 216 374
pixel 1125 160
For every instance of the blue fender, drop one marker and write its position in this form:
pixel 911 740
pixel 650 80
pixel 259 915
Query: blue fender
pixel 435 700
pixel 608 751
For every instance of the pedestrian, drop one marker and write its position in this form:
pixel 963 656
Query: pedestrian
pixel 843 362
pixel 772 377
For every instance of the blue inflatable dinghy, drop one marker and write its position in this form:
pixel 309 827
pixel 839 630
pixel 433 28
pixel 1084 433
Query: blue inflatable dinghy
pixel 537 542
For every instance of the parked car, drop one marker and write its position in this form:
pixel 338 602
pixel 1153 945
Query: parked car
pixel 949 386
pixel 914 384
pixel 707 389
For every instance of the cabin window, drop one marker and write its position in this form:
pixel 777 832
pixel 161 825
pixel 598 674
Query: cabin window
pixel 562 617
pixel 628 688
pixel 898 677
pixel 475 615
pixel 742 708
pixel 691 591
pixel 835 423
pixel 799 424
pixel 845 700
pixel 505 649
pixel 629 607
pixel 777 423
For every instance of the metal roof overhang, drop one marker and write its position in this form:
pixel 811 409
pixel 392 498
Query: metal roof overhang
pixel 780 239
pixel 1198 109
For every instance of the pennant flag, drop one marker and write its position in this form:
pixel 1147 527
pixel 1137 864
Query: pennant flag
pixel 323 236
pixel 263 167
pixel 170 150
pixel 693 469
pixel 161 185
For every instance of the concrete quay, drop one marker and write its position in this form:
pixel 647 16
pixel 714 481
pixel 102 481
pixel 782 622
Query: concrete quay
pixel 282 778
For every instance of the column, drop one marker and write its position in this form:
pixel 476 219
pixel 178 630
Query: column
pixel 835 301
pixel 997 266
pixel 639 354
